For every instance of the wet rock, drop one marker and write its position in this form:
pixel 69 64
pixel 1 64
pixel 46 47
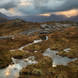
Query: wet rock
pixel 43 37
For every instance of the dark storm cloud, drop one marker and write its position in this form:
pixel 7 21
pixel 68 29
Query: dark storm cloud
pixel 40 6
pixel 44 6
pixel 69 4
pixel 55 5
pixel 7 4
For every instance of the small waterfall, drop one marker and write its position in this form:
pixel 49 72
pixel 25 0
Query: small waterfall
pixel 46 37
pixel 13 60
pixel 37 41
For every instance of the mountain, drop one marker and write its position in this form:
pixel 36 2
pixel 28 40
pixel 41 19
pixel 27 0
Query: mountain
pixel 44 18
pixel 3 15
pixel 74 18
pixel 49 18
pixel 3 18
pixel 34 18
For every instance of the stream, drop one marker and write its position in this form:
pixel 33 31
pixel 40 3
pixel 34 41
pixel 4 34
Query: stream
pixel 12 71
pixel 57 60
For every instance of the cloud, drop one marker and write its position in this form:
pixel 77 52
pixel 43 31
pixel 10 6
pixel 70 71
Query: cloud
pixel 40 6
pixel 55 5
pixel 36 7
pixel 68 13
pixel 11 12
pixel 6 4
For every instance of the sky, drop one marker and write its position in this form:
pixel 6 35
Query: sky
pixel 39 7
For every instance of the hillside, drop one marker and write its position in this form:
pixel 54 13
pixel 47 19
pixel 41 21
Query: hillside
pixel 40 50
pixel 16 26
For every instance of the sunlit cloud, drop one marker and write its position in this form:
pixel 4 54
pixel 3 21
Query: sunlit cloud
pixel 11 10
pixel 68 13
pixel 46 14
pixel 25 4
pixel 14 12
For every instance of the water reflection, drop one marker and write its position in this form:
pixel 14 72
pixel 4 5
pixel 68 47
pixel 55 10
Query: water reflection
pixel 12 71
pixel 57 60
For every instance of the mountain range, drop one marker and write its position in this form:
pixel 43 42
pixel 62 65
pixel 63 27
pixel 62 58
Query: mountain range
pixel 53 17
pixel 3 18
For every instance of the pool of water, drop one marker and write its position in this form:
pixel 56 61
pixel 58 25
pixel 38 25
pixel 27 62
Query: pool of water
pixel 57 60
pixel 12 71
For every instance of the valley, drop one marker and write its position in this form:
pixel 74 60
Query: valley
pixel 38 50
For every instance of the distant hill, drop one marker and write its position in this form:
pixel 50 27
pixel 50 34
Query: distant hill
pixel 74 18
pixel 34 18
pixel 49 18
pixel 3 18
pixel 44 18
pixel 3 15
pixel 16 26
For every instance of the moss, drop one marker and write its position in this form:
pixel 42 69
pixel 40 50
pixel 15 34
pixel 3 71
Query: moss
pixel 74 66
pixel 20 54
pixel 38 70
pixel 5 58
pixel 41 47
pixel 73 53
